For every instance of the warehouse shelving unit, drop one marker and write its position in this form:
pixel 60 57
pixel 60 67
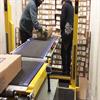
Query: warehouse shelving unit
pixel 84 36
pixel 58 13
pixel 46 14
pixel 56 59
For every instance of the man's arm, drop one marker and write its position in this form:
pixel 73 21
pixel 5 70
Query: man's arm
pixel 33 14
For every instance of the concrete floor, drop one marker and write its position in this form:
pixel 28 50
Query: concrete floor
pixel 44 95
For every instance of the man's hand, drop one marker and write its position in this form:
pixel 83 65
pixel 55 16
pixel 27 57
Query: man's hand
pixel 45 34
pixel 42 34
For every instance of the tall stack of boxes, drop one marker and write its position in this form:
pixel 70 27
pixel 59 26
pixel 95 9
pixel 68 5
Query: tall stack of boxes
pixel 88 9
pixel 58 13
pixel 46 14
pixel 83 35
pixel 57 55
pixel 81 55
pixel 82 17
pixel 81 59
pixel 88 35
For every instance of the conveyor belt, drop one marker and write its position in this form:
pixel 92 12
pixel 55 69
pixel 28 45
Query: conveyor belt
pixel 29 70
pixel 35 48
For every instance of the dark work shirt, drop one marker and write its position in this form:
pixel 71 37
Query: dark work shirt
pixel 67 16
pixel 29 18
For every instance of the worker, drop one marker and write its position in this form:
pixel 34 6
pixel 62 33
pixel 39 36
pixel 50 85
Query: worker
pixel 29 20
pixel 66 25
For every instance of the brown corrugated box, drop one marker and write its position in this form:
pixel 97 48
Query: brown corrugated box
pixel 46 35
pixel 10 65
pixel 49 31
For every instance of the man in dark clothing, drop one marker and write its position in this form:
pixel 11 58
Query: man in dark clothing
pixel 29 20
pixel 66 26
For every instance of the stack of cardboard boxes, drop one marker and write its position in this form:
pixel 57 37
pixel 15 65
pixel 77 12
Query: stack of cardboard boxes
pixel 46 14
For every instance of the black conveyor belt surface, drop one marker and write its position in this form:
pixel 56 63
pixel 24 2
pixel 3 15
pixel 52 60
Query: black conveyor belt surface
pixel 35 48
pixel 29 70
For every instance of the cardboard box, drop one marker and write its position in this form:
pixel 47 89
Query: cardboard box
pixel 49 30
pixel 10 65
pixel 48 34
pixel 43 36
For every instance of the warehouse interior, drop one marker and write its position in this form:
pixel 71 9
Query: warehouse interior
pixel 19 60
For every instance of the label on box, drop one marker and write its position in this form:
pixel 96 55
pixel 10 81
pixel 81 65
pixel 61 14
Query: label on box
pixel 2 59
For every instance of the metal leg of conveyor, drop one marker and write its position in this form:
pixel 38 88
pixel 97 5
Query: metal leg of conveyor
pixel 49 71
pixel 49 86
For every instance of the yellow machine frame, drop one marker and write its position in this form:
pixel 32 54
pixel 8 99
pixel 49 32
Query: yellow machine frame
pixel 74 52
pixel 37 81
pixel 74 47
pixel 74 76
pixel 9 27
